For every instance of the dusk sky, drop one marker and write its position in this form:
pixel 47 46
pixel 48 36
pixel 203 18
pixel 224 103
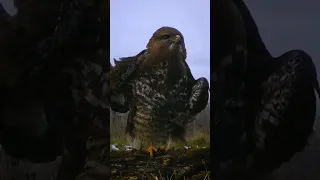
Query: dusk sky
pixel 132 23
pixel 289 24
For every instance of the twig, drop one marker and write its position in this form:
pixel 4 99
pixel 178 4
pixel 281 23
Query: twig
pixel 204 163
pixel 142 175
pixel 147 163
pixel 172 175
pixel 160 174
pixel 206 176
pixel 155 177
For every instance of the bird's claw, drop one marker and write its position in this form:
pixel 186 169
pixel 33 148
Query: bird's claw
pixel 151 149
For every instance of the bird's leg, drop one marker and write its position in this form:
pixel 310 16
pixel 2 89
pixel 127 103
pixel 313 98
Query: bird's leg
pixel 145 146
pixel 163 148
pixel 151 149
pixel 199 96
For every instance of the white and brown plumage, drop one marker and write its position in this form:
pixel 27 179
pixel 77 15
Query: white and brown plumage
pixel 277 104
pixel 163 94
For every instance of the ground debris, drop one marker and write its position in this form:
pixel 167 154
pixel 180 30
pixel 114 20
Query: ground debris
pixel 173 165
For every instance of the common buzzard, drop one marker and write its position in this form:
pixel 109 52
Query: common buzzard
pixel 161 92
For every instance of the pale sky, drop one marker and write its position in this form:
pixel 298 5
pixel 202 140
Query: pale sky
pixel 132 23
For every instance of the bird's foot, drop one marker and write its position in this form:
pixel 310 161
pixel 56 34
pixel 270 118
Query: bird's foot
pixel 162 149
pixel 151 149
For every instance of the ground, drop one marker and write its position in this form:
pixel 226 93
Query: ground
pixel 175 164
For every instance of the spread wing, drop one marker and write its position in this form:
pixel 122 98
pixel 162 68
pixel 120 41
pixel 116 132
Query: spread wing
pixel 123 71
pixel 288 108
pixel 198 89
pixel 194 102
pixel 120 76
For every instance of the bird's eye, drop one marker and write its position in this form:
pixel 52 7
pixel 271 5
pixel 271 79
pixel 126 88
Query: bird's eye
pixel 166 36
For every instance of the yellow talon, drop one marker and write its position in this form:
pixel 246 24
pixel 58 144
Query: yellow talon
pixel 150 150
pixel 163 148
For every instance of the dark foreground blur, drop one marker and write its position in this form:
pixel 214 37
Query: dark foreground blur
pixel 303 166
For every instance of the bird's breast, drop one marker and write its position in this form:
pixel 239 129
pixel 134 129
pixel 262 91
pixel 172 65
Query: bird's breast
pixel 158 94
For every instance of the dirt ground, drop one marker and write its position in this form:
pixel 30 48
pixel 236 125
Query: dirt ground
pixel 171 165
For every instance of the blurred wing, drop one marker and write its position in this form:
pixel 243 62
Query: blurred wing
pixel 288 110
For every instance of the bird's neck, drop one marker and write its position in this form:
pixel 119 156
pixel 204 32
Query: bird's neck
pixel 172 67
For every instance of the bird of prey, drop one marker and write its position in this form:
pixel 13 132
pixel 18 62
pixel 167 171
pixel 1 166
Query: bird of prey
pixel 272 116
pixel 161 92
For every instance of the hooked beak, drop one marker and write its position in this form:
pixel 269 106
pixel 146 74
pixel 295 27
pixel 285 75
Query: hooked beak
pixel 175 42
pixel 177 39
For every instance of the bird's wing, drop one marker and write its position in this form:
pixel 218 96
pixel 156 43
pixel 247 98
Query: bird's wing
pixel 120 76
pixel 288 108
pixel 123 71
pixel 198 99
pixel 198 90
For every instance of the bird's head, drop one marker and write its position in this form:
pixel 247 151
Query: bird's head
pixel 167 42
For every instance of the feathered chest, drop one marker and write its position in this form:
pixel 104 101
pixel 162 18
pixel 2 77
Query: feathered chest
pixel 159 87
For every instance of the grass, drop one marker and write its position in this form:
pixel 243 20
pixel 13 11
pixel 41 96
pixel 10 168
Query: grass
pixel 199 139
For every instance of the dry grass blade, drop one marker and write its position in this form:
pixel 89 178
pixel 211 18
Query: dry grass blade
pixel 206 176
pixel 155 177
pixel 160 174
pixel 172 175
pixel 204 163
